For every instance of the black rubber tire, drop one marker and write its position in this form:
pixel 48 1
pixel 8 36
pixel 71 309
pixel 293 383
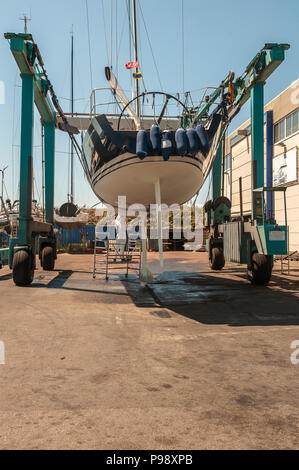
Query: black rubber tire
pixel 261 271
pixel 208 206
pixel 23 268
pixel 217 261
pixel 47 258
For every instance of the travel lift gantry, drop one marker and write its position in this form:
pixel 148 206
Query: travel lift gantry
pixel 256 240
pixel 33 236
pixel 253 242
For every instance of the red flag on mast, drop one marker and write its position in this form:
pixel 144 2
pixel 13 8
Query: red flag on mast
pixel 132 65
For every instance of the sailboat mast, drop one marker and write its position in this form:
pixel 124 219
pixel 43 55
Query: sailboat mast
pixel 72 111
pixel 135 39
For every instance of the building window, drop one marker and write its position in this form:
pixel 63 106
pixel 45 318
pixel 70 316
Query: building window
pixel 289 125
pixel 279 131
pixel 286 127
pixel 295 121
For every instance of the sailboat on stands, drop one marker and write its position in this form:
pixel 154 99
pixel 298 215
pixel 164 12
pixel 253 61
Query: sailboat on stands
pixel 140 154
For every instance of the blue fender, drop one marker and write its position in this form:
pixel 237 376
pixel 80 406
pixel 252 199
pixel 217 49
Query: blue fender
pixel 193 141
pixel 156 138
pixel 166 145
pixel 204 145
pixel 181 141
pixel 141 144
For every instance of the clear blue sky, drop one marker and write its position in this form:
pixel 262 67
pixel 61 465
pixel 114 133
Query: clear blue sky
pixel 219 36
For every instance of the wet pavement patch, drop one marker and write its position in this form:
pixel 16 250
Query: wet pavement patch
pixel 182 294
pixel 185 288
pixel 140 294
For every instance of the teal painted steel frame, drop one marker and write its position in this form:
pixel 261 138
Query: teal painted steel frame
pixel 257 145
pixel 258 70
pixel 49 142
pixel 34 90
pixel 257 132
pixel 26 158
pixel 217 174
pixel 25 53
pixel 270 247
pixel 261 233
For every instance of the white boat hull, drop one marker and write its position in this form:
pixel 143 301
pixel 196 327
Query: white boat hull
pixel 127 175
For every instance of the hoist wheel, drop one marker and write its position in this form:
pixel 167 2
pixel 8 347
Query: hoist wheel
pixel 47 258
pixel 217 260
pixel 23 268
pixel 261 269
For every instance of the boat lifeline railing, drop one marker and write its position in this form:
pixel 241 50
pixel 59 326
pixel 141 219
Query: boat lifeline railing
pixel 132 119
pixel 94 104
pixel 205 96
pixel 197 104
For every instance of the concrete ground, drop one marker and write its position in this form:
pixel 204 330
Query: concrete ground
pixel 196 360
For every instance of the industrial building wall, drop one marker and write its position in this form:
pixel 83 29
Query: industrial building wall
pixel 292 194
pixel 241 164
pixel 285 160
pixel 286 151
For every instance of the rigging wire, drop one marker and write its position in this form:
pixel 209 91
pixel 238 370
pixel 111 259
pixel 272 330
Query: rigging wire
pixel 69 99
pixel 131 41
pixel 5 189
pixel 65 77
pixel 105 31
pixel 37 191
pixel 116 38
pixel 80 84
pixel 151 48
pixel 68 170
pixel 152 105
pixel 79 151
pixel 111 32
pixel 89 44
pixel 38 163
pixel 70 195
pixel 120 40
pixel 128 6
pixel 183 45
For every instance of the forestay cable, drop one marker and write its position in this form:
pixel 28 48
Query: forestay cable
pixel 89 45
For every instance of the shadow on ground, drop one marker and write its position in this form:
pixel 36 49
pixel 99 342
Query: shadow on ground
pixel 214 299
pixel 211 299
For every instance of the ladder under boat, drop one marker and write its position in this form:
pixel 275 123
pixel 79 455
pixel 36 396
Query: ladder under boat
pixel 107 259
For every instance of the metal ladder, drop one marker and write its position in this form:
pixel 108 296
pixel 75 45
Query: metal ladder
pixel 105 260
